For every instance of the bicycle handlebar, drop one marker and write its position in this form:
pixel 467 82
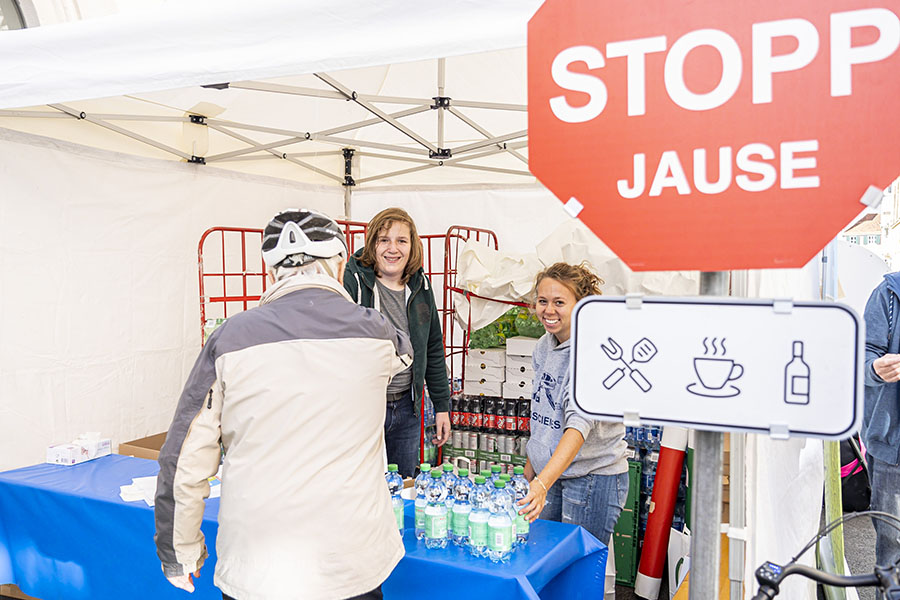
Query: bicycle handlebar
pixel 770 575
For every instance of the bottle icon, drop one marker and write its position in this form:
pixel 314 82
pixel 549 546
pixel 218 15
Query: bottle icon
pixel 796 378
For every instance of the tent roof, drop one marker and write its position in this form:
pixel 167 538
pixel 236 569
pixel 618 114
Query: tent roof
pixel 305 80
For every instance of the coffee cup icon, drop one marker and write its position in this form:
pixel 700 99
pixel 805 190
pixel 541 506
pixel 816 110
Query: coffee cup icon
pixel 714 376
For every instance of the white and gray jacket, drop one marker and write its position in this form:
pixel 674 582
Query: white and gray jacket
pixel 294 390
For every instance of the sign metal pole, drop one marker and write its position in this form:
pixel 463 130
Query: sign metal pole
pixel 706 489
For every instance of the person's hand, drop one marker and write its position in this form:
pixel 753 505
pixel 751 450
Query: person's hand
pixel 534 501
pixel 441 428
pixel 184 582
pixel 888 367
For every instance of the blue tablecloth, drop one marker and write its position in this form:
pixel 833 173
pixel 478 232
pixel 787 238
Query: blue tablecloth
pixel 65 534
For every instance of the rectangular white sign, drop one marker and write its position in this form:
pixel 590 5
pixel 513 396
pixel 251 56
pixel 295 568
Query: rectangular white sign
pixel 764 366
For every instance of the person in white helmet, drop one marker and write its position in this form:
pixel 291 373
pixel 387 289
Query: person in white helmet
pixel 304 510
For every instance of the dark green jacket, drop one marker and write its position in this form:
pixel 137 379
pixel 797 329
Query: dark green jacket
pixel 424 330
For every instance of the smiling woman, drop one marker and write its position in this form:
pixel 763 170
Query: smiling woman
pixel 387 275
pixel 576 467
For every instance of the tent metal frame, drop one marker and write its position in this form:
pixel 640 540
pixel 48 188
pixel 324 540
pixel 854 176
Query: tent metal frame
pixel 422 154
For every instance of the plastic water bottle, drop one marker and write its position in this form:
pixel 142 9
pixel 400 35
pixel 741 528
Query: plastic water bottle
pixel 500 534
pixel 478 518
pixel 507 480
pixel 521 488
pixel 449 480
pixel 421 482
pixel 462 508
pixel 495 474
pixel 395 485
pixel 436 512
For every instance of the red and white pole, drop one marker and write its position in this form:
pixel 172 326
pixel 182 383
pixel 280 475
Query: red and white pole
pixel 662 507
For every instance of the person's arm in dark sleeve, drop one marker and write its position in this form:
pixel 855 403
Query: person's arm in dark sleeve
pixel 436 365
pixel 877 332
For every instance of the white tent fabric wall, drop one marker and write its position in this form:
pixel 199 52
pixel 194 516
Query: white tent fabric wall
pixel 99 301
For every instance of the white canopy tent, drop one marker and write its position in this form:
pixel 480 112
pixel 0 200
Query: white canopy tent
pixel 115 159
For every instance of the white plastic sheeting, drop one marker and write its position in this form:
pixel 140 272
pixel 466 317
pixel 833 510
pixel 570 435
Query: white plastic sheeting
pixel 99 301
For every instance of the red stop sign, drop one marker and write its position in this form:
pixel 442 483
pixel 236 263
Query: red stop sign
pixel 710 135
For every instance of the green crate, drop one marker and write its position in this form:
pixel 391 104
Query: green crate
pixel 625 534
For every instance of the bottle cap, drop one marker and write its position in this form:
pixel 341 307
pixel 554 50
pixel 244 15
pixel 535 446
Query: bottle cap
pixel 425 467
pixel 518 470
pixel 479 480
pixel 392 468
pixel 495 468
pixel 505 477
pixel 463 472
pixel 436 473
pixel 448 468
pixel 499 484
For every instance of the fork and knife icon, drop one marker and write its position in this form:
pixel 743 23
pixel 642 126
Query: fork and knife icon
pixel 641 352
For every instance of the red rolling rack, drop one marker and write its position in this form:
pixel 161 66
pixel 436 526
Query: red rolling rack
pixel 233 277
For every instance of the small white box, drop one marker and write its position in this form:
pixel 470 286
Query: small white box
pixel 78 451
pixel 494 357
pixel 519 372
pixel 514 391
pixel 519 363
pixel 483 387
pixel 520 379
pixel 521 345
pixel 476 372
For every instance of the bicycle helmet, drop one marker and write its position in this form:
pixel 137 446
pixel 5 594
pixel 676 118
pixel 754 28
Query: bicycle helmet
pixel 296 237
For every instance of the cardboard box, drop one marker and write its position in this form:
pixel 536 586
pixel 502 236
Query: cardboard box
pixel 483 371
pixel 146 447
pixel 521 345
pixel 13 591
pixel 515 391
pixel 483 387
pixel 518 363
pixel 78 451
pixel 494 356
pixel 519 372
pixel 519 379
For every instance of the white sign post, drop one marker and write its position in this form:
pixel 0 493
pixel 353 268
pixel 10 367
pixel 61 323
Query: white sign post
pixel 761 366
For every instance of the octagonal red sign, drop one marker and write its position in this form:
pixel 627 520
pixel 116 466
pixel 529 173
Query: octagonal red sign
pixel 715 135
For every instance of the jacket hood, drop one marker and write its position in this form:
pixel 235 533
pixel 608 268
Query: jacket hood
pixel 299 282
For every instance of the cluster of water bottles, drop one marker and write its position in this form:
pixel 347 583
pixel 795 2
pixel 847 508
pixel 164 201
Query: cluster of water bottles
pixel 481 516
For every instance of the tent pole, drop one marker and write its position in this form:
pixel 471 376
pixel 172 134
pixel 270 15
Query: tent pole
pixel 91 119
pixel 490 142
pixel 442 65
pixel 347 194
pixel 351 95
pixel 366 144
pixel 706 489
pixel 484 132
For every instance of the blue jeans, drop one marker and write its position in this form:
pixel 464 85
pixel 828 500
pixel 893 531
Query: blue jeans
pixel 592 501
pixel 885 498
pixel 401 435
